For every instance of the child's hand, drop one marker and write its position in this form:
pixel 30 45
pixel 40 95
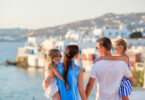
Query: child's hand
pixel 67 86
pixel 94 61
pixel 96 92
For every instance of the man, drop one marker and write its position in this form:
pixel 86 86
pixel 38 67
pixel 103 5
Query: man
pixel 108 73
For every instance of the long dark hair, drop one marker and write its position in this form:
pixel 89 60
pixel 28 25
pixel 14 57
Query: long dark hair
pixel 70 52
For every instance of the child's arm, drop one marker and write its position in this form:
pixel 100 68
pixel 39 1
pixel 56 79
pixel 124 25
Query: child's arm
pixel 124 58
pixel 58 74
pixel 46 82
pixel 60 77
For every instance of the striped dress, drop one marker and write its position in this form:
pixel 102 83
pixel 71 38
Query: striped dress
pixel 125 86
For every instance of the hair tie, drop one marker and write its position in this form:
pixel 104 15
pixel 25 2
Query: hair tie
pixel 68 55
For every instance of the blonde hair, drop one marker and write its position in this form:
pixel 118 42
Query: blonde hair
pixel 121 42
pixel 52 53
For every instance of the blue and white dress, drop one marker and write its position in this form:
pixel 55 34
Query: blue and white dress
pixel 125 86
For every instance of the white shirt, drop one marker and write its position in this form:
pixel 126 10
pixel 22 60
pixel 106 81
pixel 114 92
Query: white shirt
pixel 109 74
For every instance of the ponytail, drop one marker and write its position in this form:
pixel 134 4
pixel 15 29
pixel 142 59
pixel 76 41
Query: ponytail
pixel 66 65
pixel 70 52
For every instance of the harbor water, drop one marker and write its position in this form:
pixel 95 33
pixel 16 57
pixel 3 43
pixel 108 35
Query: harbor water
pixel 17 83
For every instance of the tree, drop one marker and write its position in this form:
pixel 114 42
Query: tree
pixel 136 35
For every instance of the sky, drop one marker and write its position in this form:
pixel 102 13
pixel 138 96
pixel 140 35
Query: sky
pixel 34 14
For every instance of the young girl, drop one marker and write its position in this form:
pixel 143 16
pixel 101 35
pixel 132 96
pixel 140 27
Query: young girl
pixel 50 83
pixel 120 48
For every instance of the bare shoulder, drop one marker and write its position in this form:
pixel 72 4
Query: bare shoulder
pixel 126 57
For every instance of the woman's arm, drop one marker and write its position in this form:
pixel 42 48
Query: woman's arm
pixel 81 86
pixel 60 77
pixel 124 58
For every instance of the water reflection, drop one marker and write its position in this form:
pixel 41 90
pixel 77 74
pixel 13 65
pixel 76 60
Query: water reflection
pixel 26 84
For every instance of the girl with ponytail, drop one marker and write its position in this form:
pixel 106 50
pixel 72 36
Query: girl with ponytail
pixel 49 83
pixel 72 74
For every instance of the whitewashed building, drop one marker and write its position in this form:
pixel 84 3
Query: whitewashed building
pixel 136 42
pixel 112 33
pixel 72 34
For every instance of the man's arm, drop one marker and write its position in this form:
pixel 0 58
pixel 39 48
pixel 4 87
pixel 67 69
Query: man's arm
pixel 132 80
pixel 90 86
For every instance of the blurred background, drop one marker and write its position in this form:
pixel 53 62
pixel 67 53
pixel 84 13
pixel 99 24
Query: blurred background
pixel 29 28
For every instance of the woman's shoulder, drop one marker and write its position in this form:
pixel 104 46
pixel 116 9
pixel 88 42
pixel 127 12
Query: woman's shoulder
pixel 76 67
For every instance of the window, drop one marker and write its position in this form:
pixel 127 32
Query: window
pixel 122 34
pixel 109 33
pixel 116 33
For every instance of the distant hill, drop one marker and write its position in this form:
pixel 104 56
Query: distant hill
pixel 14 34
pixel 133 20
pixel 112 20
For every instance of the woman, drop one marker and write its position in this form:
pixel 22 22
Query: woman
pixel 72 74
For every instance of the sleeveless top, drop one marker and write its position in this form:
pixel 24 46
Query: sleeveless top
pixel 72 77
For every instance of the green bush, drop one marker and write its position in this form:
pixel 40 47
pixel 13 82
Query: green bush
pixel 139 78
pixel 136 35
